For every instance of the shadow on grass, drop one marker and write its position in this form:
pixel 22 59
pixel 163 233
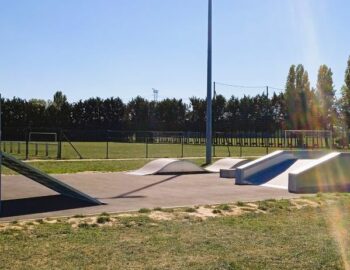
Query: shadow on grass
pixel 42 204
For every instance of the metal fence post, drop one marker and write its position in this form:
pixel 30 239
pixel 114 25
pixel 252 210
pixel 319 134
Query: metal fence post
pixel 107 150
pixel 182 146
pixel 59 148
pixel 146 140
pixel 267 143
pixel 240 146
pixel 107 144
pixel 27 145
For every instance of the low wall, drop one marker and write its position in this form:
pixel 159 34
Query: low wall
pixel 329 173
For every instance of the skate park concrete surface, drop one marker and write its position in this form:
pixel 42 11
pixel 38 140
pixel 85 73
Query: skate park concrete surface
pixel 120 192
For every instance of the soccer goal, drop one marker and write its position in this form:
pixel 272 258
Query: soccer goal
pixel 43 143
pixel 308 138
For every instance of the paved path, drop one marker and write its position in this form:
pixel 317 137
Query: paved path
pixel 25 199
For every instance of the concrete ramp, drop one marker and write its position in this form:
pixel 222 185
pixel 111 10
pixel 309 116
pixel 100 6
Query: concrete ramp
pixel 327 174
pixel 225 163
pixel 168 166
pixel 45 179
pixel 281 180
pixel 266 168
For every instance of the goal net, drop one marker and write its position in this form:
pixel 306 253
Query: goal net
pixel 42 137
pixel 308 138
pixel 43 144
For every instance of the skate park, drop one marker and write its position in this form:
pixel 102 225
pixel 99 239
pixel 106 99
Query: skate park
pixel 171 183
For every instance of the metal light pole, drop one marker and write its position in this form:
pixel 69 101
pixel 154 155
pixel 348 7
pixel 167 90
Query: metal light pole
pixel 209 99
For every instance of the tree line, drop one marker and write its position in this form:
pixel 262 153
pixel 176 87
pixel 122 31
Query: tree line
pixel 300 106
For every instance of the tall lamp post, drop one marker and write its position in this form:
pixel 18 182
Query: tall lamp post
pixel 209 94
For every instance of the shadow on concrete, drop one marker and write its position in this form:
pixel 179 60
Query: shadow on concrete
pixel 36 205
pixel 266 175
pixel 127 194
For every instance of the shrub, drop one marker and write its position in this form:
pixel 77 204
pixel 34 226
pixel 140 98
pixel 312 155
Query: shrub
pixel 102 219
pixel 83 225
pixel 239 203
pixel 224 207
pixel 78 216
pixel 144 210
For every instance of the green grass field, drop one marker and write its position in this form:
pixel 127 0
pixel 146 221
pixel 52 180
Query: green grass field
pixel 135 152
pixel 59 167
pixel 278 236
pixel 98 150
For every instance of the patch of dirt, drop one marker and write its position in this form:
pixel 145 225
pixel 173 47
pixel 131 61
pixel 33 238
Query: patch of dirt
pixel 299 203
pixel 201 213
pixel 159 215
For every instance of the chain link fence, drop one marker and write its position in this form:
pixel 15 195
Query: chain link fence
pixel 111 144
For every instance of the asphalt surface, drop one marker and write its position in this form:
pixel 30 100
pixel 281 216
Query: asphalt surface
pixel 26 199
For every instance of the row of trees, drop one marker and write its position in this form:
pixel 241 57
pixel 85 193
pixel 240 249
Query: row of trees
pixel 316 108
pixel 299 107
pixel 247 113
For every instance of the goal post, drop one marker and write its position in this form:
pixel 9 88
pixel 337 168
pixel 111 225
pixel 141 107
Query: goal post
pixel 42 139
pixel 303 138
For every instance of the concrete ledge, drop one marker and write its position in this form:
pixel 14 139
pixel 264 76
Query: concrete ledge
pixel 326 174
pixel 227 173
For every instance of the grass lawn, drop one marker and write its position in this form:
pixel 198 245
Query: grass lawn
pixel 98 150
pixel 276 235
pixel 59 167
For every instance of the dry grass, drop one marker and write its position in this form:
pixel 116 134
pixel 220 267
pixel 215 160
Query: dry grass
pixel 259 235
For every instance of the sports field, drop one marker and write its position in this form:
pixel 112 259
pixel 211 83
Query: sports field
pixel 121 156
pixel 98 150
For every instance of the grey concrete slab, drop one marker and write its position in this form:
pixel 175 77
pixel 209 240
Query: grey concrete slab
pixel 120 192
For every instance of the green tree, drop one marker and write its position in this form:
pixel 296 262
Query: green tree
pixel 138 114
pixel 219 112
pixel 326 96
pixel 196 115
pixel 59 100
pixel 290 98
pixel 299 99
pixel 345 97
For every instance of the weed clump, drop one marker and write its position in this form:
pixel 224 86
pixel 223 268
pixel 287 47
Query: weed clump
pixel 83 225
pixel 40 221
pixel 239 203
pixel 78 216
pixel 144 210
pixel 103 219
pixel 190 210
pixel 224 207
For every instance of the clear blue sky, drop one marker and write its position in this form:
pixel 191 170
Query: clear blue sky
pixel 124 48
